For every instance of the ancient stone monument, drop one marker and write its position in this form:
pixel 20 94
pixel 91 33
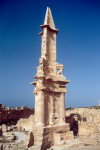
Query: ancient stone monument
pixel 50 84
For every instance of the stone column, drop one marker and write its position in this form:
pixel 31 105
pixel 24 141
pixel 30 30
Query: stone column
pixel 62 108
pixel 51 111
pixel 39 108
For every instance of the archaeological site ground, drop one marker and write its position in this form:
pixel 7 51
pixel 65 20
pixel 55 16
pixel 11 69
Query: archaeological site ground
pixel 49 125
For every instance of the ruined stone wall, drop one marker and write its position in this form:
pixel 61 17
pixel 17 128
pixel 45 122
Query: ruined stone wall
pixel 55 135
pixel 25 124
pixel 84 121
pixel 12 115
pixel 51 135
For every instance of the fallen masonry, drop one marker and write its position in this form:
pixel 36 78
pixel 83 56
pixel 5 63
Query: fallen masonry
pixel 87 132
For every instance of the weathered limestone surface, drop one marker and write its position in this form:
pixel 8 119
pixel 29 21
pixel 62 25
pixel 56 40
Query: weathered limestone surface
pixel 50 89
pixel 15 141
pixel 50 84
pixel 88 137
pixel 88 124
pixel 4 128
pixel 56 135
pixel 25 124
pixel 49 136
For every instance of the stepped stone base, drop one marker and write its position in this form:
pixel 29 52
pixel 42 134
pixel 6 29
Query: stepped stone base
pixel 51 135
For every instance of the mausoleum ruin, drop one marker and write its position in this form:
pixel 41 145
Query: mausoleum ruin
pixel 50 86
pixel 50 83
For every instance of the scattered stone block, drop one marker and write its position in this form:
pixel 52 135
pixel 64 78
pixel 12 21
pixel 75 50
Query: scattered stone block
pixel 57 138
pixel 4 128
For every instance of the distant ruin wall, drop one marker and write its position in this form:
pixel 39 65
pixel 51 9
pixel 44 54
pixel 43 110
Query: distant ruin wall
pixel 84 121
pixel 10 116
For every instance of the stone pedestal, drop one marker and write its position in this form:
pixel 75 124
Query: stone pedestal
pixel 51 135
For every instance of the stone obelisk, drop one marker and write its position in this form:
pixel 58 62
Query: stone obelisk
pixel 50 83
pixel 50 127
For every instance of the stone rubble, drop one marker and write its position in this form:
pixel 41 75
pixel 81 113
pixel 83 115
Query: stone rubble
pixel 88 137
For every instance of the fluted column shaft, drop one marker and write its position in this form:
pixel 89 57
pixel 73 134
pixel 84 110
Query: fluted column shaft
pixel 62 108
pixel 39 108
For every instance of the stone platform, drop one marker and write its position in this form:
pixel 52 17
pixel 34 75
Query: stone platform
pixel 51 135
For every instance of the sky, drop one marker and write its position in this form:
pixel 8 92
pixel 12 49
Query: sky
pixel 78 49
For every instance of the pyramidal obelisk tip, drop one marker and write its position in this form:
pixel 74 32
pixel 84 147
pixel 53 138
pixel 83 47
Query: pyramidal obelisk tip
pixel 49 19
